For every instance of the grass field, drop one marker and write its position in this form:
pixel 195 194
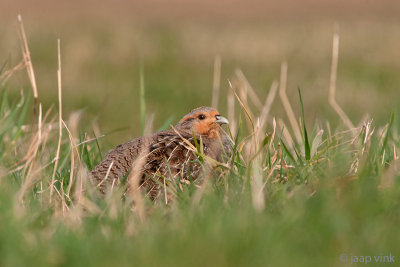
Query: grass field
pixel 306 189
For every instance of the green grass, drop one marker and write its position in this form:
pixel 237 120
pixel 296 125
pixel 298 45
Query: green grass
pixel 288 205
pixel 277 202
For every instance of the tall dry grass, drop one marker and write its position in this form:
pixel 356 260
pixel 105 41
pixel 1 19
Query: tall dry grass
pixel 265 152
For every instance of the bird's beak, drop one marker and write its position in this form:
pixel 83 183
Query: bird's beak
pixel 221 120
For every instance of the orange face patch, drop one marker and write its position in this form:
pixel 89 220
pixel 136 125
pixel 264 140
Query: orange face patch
pixel 207 126
pixel 202 121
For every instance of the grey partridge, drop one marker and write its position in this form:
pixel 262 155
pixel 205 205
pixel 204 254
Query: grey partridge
pixel 167 153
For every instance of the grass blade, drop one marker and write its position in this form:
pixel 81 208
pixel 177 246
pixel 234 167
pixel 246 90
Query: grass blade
pixel 385 141
pixel 142 101
pixel 307 150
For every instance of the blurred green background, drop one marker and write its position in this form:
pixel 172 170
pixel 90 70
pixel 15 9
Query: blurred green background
pixel 103 46
pixel 104 43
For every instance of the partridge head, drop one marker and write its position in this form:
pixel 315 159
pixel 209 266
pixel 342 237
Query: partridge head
pixel 203 121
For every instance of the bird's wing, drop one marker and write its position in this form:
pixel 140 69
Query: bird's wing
pixel 169 155
pixel 170 159
pixel 117 163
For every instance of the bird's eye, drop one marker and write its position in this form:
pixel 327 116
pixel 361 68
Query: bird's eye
pixel 202 117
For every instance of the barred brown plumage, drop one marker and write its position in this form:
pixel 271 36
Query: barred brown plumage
pixel 167 153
